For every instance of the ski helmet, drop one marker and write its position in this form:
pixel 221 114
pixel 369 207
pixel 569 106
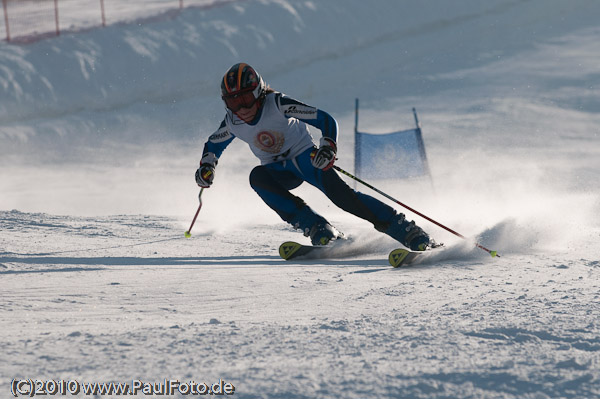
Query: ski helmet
pixel 241 87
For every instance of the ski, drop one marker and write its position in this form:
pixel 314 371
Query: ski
pixel 340 248
pixel 398 257
pixel 291 249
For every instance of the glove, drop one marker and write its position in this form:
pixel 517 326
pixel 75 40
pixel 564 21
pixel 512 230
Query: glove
pixel 324 157
pixel 205 175
pixel 206 172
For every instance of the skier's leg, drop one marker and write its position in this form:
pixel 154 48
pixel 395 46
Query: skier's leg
pixel 272 183
pixel 383 217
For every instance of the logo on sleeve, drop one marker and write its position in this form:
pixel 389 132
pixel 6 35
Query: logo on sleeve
pixel 219 136
pixel 300 111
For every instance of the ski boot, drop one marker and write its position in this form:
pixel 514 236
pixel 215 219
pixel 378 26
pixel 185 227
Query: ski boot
pixel 409 234
pixel 314 226
pixel 323 233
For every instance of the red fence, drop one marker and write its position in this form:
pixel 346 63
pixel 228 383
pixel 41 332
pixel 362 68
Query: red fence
pixel 30 20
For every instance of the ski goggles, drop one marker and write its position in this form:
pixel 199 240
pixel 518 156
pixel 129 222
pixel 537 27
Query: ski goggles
pixel 239 100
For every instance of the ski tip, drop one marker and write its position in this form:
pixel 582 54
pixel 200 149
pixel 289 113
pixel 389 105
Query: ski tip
pixel 287 249
pixel 187 234
pixel 397 257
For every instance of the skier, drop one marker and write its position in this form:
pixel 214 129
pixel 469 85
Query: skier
pixel 274 126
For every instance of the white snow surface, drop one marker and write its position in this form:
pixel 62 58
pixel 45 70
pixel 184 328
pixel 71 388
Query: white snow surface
pixel 100 135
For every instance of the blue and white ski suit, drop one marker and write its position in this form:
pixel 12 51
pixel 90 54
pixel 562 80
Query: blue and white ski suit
pixel 280 138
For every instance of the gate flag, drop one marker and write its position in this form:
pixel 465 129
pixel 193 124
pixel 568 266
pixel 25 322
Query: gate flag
pixel 397 155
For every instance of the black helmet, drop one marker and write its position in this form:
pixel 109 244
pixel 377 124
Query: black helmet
pixel 241 87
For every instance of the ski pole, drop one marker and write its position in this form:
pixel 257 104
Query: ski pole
pixel 493 253
pixel 188 233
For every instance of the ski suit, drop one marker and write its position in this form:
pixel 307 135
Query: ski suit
pixel 280 138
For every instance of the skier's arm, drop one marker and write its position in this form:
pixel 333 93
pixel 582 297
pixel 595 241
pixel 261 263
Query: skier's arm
pixel 308 114
pixel 217 142
pixel 213 148
pixel 324 157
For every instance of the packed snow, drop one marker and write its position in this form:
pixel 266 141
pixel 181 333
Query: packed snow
pixel 100 135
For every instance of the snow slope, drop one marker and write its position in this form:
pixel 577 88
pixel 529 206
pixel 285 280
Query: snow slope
pixel 100 133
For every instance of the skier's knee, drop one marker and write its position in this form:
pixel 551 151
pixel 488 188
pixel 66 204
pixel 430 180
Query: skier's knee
pixel 259 177
pixel 263 177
